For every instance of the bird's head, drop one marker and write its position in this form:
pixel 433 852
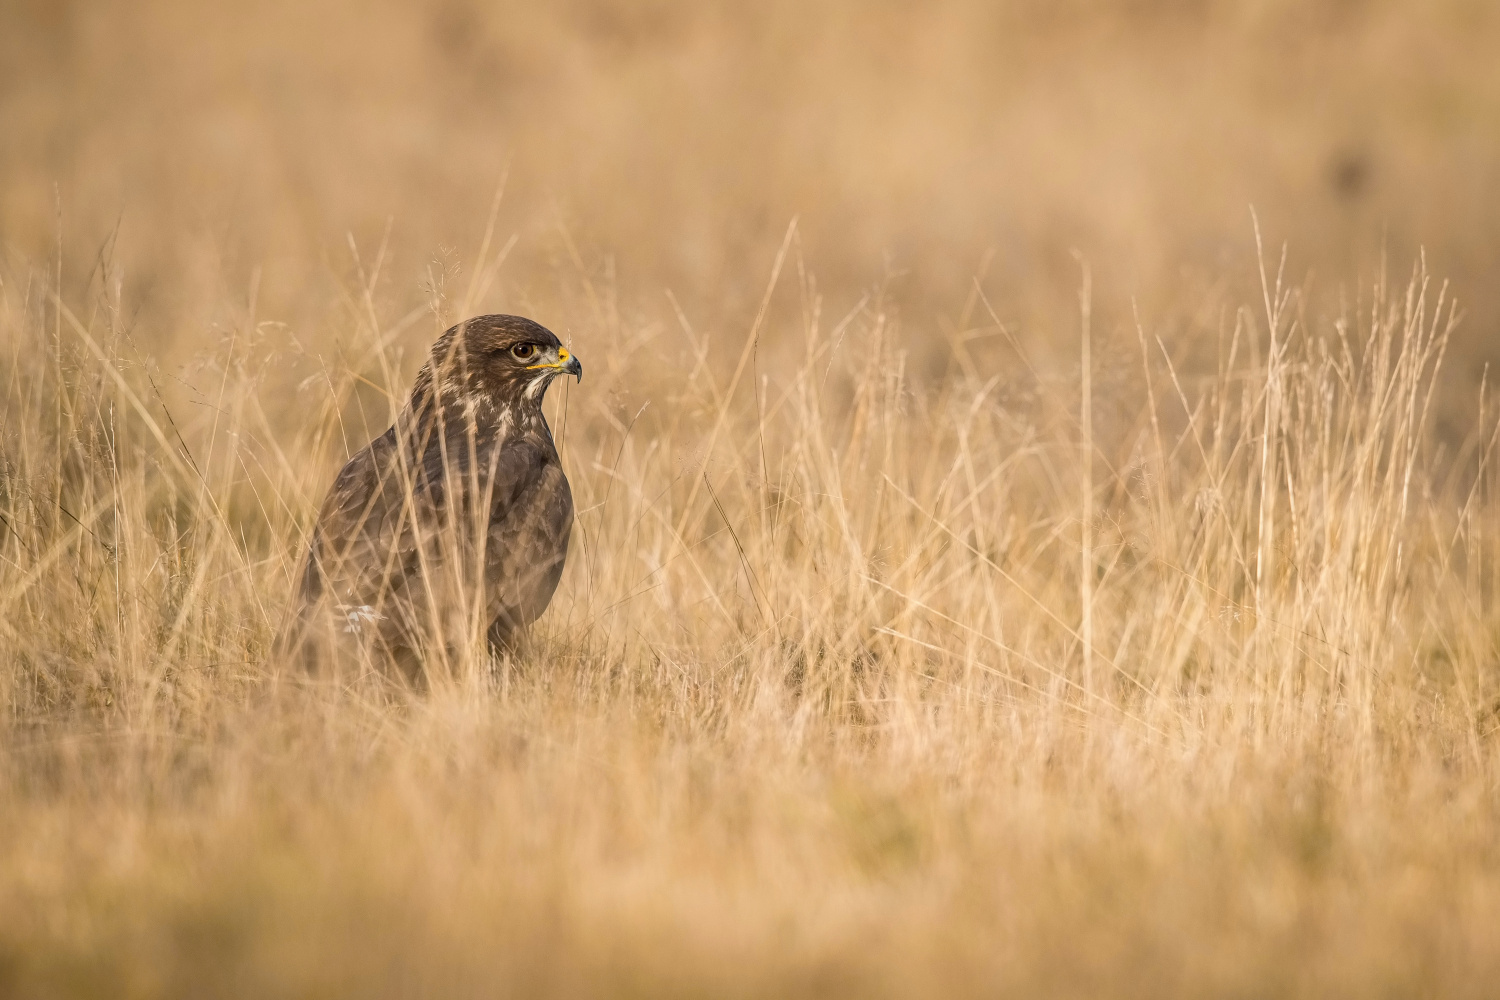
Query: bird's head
pixel 503 361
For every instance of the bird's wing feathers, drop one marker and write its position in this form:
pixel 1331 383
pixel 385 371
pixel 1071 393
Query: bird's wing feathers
pixel 366 537
pixel 386 524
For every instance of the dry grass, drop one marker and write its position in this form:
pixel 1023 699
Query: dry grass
pixel 876 669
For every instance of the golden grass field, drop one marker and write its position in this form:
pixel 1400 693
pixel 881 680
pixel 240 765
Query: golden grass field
pixel 1004 566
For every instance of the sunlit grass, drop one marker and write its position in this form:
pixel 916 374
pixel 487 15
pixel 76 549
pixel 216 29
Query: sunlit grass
pixel 816 708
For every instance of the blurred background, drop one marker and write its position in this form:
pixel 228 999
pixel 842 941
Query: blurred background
pixel 227 161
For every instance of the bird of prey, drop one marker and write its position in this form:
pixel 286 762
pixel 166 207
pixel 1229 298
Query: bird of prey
pixel 455 520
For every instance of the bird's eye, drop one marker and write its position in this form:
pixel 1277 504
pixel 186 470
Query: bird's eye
pixel 523 352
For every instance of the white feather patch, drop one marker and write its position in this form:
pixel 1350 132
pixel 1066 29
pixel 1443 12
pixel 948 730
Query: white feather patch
pixel 356 616
pixel 476 404
pixel 535 387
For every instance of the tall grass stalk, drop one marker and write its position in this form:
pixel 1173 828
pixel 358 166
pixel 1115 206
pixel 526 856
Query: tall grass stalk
pixel 830 699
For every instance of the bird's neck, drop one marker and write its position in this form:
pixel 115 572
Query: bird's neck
pixel 430 418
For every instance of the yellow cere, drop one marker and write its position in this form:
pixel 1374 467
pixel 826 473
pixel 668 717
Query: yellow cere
pixel 562 359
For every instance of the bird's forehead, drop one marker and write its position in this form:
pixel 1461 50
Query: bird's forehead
pixel 509 334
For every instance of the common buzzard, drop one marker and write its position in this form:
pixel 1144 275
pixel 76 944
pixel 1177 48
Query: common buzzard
pixel 453 521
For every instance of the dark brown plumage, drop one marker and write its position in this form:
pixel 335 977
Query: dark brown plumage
pixel 456 518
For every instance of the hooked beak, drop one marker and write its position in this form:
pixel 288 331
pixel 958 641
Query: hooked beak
pixel 568 363
pixel 565 363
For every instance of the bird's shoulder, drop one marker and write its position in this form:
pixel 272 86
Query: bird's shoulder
pixel 360 492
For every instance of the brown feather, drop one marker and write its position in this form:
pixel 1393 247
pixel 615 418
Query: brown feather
pixel 457 515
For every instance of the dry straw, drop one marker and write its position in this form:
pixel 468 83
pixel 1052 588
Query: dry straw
pixel 923 690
